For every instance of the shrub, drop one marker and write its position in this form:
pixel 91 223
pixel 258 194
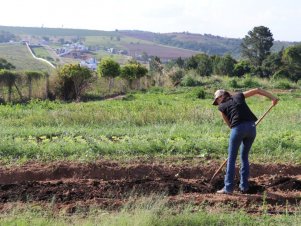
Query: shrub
pixel 280 74
pixel 73 81
pixel 176 75
pixel 233 83
pixel 249 82
pixel 200 93
pixel 283 84
pixel 188 80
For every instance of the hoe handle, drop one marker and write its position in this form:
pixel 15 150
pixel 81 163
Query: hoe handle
pixel 218 170
pixel 224 163
pixel 259 120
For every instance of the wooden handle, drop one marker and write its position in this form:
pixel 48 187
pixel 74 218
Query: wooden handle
pixel 219 169
pixel 259 120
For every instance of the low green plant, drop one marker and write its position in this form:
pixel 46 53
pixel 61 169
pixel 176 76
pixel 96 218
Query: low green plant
pixel 233 83
pixel 190 81
pixel 283 84
pixel 249 82
pixel 152 210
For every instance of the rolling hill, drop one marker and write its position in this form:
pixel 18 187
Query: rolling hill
pixel 123 44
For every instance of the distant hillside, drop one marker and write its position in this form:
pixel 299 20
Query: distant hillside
pixel 133 43
pixel 20 57
pixel 207 43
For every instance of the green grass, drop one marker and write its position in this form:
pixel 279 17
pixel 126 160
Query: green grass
pixel 41 52
pixel 156 123
pixel 147 211
pixel 20 57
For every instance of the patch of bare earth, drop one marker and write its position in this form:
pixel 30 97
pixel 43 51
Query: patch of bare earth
pixel 109 184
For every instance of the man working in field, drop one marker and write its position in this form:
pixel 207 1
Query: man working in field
pixel 241 120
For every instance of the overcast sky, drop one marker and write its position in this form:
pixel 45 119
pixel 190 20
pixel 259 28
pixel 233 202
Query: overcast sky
pixel 228 18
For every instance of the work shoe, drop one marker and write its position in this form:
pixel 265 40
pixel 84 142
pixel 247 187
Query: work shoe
pixel 223 191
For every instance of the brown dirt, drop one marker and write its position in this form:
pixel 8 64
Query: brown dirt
pixel 109 184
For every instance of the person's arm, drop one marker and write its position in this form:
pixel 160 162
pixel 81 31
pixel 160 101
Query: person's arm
pixel 226 119
pixel 261 92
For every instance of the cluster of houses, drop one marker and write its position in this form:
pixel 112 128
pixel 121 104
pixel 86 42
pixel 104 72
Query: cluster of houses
pixel 83 53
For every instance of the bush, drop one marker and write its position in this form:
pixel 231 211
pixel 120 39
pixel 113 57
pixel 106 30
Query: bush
pixel 176 75
pixel 188 80
pixel 299 83
pixel 283 84
pixel 249 82
pixel 201 94
pixel 233 83
pixel 280 74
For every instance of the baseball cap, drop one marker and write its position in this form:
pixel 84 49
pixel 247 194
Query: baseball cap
pixel 217 94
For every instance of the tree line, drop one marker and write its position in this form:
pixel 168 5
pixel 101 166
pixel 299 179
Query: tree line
pixel 257 59
pixel 72 80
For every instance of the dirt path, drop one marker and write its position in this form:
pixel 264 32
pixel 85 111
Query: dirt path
pixel 274 188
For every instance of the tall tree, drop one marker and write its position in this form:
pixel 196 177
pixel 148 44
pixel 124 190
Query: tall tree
pixel 204 65
pixel 110 69
pixel 257 44
pixel 272 64
pixel 292 62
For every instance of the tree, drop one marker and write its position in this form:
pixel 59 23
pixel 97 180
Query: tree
pixel 292 62
pixel 257 44
pixel 73 80
pixel 200 62
pixel 110 69
pixel 133 71
pixel 180 62
pixel 241 68
pixel 156 67
pixel 176 74
pixel 4 64
pixel 225 65
pixel 272 64
pixel 9 79
pixel 204 65
pixel 32 75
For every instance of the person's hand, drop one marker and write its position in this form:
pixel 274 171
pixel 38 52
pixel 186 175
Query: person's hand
pixel 275 101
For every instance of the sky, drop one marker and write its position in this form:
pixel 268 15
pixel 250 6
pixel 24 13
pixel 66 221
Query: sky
pixel 227 18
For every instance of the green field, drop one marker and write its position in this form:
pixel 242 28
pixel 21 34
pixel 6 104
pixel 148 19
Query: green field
pixel 153 124
pixel 21 58
pixel 156 123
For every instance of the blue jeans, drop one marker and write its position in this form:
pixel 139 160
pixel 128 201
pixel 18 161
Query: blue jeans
pixel 241 135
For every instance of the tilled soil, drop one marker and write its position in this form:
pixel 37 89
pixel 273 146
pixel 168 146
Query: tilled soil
pixel 275 188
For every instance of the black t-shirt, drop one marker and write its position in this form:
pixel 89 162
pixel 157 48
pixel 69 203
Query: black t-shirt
pixel 237 110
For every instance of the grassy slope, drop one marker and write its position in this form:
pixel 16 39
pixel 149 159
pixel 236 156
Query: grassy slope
pixel 19 56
